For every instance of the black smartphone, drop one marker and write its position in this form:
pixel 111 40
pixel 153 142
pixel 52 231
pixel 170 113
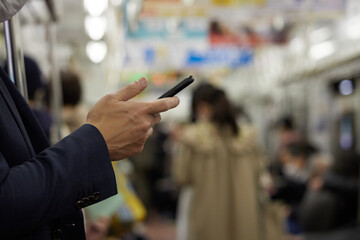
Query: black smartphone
pixel 175 90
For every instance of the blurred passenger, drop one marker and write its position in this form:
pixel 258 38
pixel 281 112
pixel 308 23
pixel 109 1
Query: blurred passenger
pixel 151 178
pixel 343 180
pixel 296 174
pixel 332 201
pixel 145 172
pixel 74 113
pixel 36 90
pixel 287 134
pixel 242 115
pixel 220 161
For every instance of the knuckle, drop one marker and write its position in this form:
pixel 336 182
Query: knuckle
pixel 108 97
pixel 143 138
pixel 90 115
pixel 143 128
pixel 142 109
pixel 140 147
pixel 153 107
pixel 163 105
pixel 157 118
pixel 150 132
pixel 167 105
pixel 133 87
pixel 148 125
pixel 138 109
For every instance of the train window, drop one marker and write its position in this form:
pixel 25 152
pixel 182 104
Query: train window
pixel 347 131
pixel 344 87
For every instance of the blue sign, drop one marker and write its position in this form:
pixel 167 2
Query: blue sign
pixel 221 57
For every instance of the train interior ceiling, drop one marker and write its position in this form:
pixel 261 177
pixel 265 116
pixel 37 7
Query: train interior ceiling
pixel 274 58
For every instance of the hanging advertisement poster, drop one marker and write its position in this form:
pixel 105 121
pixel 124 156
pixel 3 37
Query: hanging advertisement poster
pixel 171 28
pixel 168 20
pixel 237 2
pixel 328 5
pixel 286 4
pixel 241 35
pixel 141 55
pixel 313 5
pixel 171 9
pixel 230 57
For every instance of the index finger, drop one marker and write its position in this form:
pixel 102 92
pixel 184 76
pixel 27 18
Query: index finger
pixel 162 105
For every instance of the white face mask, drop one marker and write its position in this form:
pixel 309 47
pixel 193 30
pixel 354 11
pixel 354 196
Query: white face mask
pixel 9 8
pixel 293 172
pixel 290 170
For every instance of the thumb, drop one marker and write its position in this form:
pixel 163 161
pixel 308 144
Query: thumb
pixel 131 90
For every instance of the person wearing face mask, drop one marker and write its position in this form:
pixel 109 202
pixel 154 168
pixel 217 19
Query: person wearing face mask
pixel 287 134
pixel 296 168
pixel 43 188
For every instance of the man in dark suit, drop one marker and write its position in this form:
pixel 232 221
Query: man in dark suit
pixel 43 187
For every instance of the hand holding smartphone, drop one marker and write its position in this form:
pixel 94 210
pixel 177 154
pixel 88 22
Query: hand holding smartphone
pixel 175 90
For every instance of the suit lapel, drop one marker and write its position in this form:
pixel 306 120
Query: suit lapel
pixel 34 131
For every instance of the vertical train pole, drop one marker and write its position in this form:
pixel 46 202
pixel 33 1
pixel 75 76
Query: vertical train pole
pixel 15 55
pixel 56 98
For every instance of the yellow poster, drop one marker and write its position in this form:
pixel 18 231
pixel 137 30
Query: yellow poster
pixel 224 2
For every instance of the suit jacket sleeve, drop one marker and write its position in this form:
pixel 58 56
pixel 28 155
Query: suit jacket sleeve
pixel 72 174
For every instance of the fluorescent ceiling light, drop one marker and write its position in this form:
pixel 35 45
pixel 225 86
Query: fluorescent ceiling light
pixel 95 27
pixel 96 7
pixel 96 51
pixel 352 28
pixel 297 45
pixel 320 35
pixel 322 50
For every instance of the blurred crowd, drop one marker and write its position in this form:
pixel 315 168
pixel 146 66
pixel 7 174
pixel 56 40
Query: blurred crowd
pixel 212 179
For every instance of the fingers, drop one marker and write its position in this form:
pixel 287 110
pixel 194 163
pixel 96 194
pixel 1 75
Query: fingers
pixel 146 128
pixel 155 118
pixel 163 105
pixel 131 90
pixel 149 133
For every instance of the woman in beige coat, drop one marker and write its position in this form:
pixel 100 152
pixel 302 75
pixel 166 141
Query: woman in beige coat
pixel 221 163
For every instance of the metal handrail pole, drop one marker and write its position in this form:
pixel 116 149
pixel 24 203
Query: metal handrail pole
pixel 15 55
pixel 56 98
pixel 9 51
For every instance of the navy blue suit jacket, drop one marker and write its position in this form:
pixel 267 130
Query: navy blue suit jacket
pixel 43 188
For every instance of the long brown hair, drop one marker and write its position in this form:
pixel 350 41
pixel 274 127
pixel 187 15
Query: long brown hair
pixel 223 113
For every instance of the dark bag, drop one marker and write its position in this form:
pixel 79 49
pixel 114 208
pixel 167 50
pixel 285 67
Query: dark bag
pixel 317 211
